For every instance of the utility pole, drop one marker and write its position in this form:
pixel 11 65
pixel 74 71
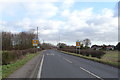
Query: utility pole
pixel 59 37
pixel 59 40
pixel 43 41
pixel 37 32
pixel 35 41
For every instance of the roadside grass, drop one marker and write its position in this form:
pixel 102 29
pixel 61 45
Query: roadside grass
pixel 0 65
pixel 0 51
pixel 110 58
pixel 10 68
pixel 0 72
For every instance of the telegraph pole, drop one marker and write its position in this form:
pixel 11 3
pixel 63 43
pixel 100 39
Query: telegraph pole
pixel 59 40
pixel 37 32
pixel 35 41
pixel 59 37
pixel 43 41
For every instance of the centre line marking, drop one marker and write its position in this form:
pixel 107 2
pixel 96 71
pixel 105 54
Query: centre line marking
pixel 40 69
pixel 91 73
pixel 68 60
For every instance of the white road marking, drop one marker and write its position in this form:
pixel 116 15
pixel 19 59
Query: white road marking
pixel 40 69
pixel 91 73
pixel 50 54
pixel 67 60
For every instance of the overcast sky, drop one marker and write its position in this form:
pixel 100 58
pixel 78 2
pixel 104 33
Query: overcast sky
pixel 71 20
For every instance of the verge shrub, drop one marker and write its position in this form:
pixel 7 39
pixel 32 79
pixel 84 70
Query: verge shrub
pixel 11 56
pixel 93 53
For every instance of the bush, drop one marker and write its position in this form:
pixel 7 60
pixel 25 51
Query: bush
pixel 11 56
pixel 87 53
pixel 93 53
pixel 97 54
pixel 8 57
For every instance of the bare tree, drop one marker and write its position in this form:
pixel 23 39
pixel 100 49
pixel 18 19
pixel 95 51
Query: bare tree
pixel 20 41
pixel 86 42
pixel 6 41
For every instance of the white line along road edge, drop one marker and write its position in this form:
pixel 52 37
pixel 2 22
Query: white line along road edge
pixel 40 69
pixel 91 73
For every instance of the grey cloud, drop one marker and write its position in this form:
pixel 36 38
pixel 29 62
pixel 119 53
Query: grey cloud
pixel 97 21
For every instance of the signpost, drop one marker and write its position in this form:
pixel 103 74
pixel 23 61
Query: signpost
pixel 78 46
pixel 35 42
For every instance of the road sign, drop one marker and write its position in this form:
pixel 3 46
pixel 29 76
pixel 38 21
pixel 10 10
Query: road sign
pixel 35 42
pixel 78 46
pixel 77 43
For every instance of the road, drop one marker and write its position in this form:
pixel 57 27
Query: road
pixel 54 64
pixel 59 65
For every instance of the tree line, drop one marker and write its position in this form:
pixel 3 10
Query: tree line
pixel 85 44
pixel 17 41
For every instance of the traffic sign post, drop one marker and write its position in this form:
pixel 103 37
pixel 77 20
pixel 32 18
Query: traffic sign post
pixel 35 45
pixel 35 42
pixel 78 46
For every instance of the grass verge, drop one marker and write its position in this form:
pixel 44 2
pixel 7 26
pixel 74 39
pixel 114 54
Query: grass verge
pixel 108 62
pixel 10 68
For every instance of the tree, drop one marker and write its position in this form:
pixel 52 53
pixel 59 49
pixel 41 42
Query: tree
pixel 61 45
pixel 18 41
pixel 6 41
pixel 24 40
pixel 47 46
pixel 118 46
pixel 87 42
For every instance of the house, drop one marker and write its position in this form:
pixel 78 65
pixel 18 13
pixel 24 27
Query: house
pixel 96 47
pixel 103 47
pixel 110 47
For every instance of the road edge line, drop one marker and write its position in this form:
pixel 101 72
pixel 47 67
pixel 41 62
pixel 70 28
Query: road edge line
pixel 40 69
pixel 33 74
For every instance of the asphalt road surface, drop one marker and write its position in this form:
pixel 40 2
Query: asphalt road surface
pixel 59 65
pixel 54 64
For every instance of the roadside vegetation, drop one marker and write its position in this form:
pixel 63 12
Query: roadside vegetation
pixel 107 54
pixel 17 49
pixel 9 57
pixel 10 68
pixel 87 52
pixel 112 56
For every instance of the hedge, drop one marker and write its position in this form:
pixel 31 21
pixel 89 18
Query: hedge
pixel 11 56
pixel 92 53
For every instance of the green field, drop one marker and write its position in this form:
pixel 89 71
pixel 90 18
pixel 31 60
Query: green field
pixel 110 58
pixel 10 68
